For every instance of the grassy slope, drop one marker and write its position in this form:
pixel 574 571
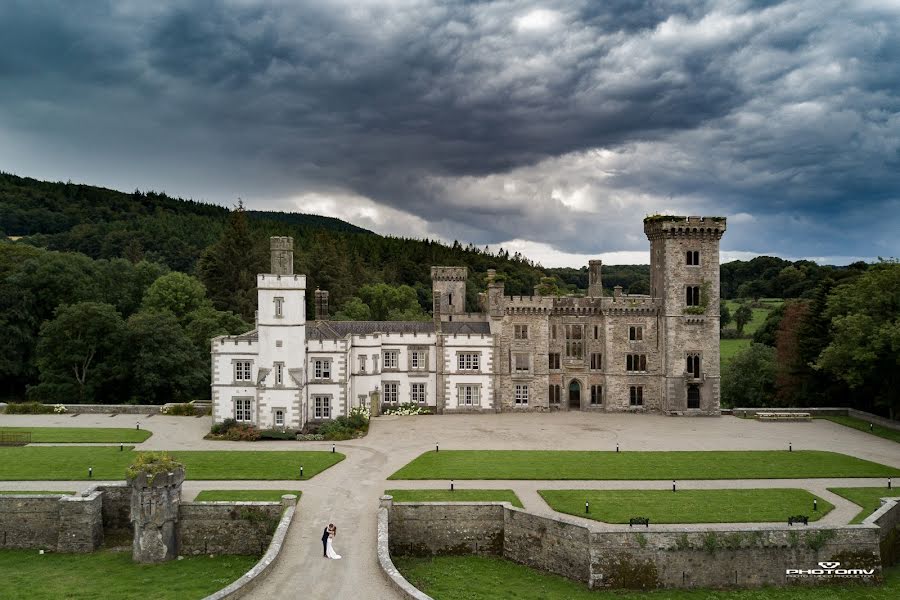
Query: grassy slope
pixel 488 578
pixel 243 495
pixel 728 348
pixel 61 435
pixel 71 463
pixel 455 496
pixel 688 506
pixel 860 424
pixel 549 464
pixel 113 575
pixel 868 498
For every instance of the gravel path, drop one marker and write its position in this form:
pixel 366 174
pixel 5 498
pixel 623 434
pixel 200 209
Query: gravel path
pixel 347 494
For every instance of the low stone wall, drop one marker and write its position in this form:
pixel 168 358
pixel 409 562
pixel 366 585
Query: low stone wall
pixel 226 527
pixel 852 412
pixel 621 557
pixel 116 409
pixel 116 508
pixel 60 523
pixel 819 412
pixel 887 519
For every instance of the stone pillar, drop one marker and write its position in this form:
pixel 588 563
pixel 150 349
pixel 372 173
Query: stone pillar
pixel 154 514
pixel 375 404
pixel 595 280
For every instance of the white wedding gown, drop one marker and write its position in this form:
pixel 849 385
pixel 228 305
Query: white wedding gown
pixel 329 550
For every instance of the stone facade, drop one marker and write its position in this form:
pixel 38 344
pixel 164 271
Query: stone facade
pixel 154 514
pixel 226 527
pixel 622 557
pixel 635 353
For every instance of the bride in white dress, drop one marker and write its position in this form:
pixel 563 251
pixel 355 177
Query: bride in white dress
pixel 329 548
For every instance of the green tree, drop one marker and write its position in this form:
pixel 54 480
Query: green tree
pixel 749 378
pixel 548 287
pixel 354 309
pixel 724 315
pixel 165 364
pixel 864 350
pixel 79 351
pixel 765 334
pixel 176 292
pixel 742 315
pixel 229 267
pixel 392 303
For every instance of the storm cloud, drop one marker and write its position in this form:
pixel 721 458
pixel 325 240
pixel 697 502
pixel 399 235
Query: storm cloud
pixel 548 126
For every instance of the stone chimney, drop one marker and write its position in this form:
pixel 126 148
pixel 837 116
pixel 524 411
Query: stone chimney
pixel 617 292
pixel 282 251
pixel 321 301
pixel 595 281
pixel 491 274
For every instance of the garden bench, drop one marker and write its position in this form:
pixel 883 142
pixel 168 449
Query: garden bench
pixel 783 416
pixel 798 519
pixel 645 521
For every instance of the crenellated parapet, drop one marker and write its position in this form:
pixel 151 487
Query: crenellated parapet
pixel 670 226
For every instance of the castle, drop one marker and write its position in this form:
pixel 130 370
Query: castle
pixel 644 353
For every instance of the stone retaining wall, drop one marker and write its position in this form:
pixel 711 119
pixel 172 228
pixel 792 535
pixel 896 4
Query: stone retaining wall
pixel 820 412
pixel 226 527
pixel 60 523
pixel 623 557
pixel 887 519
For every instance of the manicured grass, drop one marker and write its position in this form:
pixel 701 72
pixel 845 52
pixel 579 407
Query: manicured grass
pixel 32 493
pixel 243 495
pixel 455 496
pixel 729 348
pixel 31 463
pixel 868 498
pixel 688 506
pixel 489 578
pixel 862 425
pixel 566 464
pixel 71 435
pixel 27 574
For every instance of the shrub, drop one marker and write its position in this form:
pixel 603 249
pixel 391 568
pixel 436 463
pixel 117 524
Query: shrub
pixel 220 428
pixel 242 433
pixel 275 434
pixel 179 410
pixel 59 409
pixel 28 408
pixel 344 428
pixel 152 463
pixel 408 409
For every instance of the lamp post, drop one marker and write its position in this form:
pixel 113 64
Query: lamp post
pixel 790 447
pixel 451 485
pixel 437 447
pixel 815 505
pixel 673 485
pixel 587 507
pixel 90 472
pixel 301 471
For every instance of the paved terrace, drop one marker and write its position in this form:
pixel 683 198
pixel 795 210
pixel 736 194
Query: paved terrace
pixel 347 494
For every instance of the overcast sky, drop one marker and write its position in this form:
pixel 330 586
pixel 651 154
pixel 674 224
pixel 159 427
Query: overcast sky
pixel 548 127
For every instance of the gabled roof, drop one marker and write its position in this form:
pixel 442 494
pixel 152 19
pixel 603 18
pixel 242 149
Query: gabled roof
pixel 464 327
pixel 324 330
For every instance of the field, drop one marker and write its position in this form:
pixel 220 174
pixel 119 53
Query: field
pixel 489 578
pixel 36 463
pixel 465 495
pixel 551 464
pixel 82 435
pixel 728 348
pixel 243 495
pixel 688 506
pixel 107 574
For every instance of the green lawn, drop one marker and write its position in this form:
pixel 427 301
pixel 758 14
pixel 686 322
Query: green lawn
pixel 688 506
pixel 862 425
pixel 31 463
pixel 71 435
pixel 51 576
pixel 566 464
pixel 868 498
pixel 729 348
pixel 759 314
pixel 455 496
pixel 490 578
pixel 244 495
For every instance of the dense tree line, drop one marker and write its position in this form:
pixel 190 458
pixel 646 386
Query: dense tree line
pixel 840 346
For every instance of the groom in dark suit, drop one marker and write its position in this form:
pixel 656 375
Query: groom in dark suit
pixel 325 541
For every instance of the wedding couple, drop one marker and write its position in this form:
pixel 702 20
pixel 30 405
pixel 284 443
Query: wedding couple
pixel 327 537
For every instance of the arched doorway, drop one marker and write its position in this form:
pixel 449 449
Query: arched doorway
pixel 693 396
pixel 574 395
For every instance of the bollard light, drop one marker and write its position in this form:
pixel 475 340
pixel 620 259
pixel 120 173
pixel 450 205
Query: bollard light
pixel 673 485
pixel 815 504
pixel 90 472
pixel 870 427
pixel 121 447
pixel 437 447
pixel 889 483
pixel 332 448
pixel 587 507
pixel 617 446
pixel 790 447
pixel 301 471
pixel 451 485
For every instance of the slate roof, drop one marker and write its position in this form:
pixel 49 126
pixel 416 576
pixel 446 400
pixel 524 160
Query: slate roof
pixel 464 327
pixel 329 330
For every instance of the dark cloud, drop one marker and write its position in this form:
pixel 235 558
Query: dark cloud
pixel 556 122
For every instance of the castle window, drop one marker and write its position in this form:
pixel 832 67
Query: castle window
pixel 362 363
pixel 693 258
pixel 468 361
pixel 521 362
pixel 574 341
pixel 554 360
pixel 242 409
pixel 390 392
pixel 596 332
pixel 450 299
pixel 521 396
pixel 417 360
pixel 596 394
pixel 553 331
pixel 279 373
pixel 636 395
pixel 468 395
pixel 520 332
pixel 693 396
pixel 693 365
pixel 323 407
pixel 417 393
pixel 636 362
pixel 692 295
pixel 635 333
pixel 375 363
pixel 321 369
pixel 596 361
pixel 279 418
pixel 279 307
pixel 391 359
pixel 554 394
pixel 242 370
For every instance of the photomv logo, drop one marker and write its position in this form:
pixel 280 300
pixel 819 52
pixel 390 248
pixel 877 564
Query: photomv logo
pixel 830 569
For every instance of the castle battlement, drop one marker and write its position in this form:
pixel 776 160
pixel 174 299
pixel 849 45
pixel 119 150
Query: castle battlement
pixel 670 226
pixel 269 281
